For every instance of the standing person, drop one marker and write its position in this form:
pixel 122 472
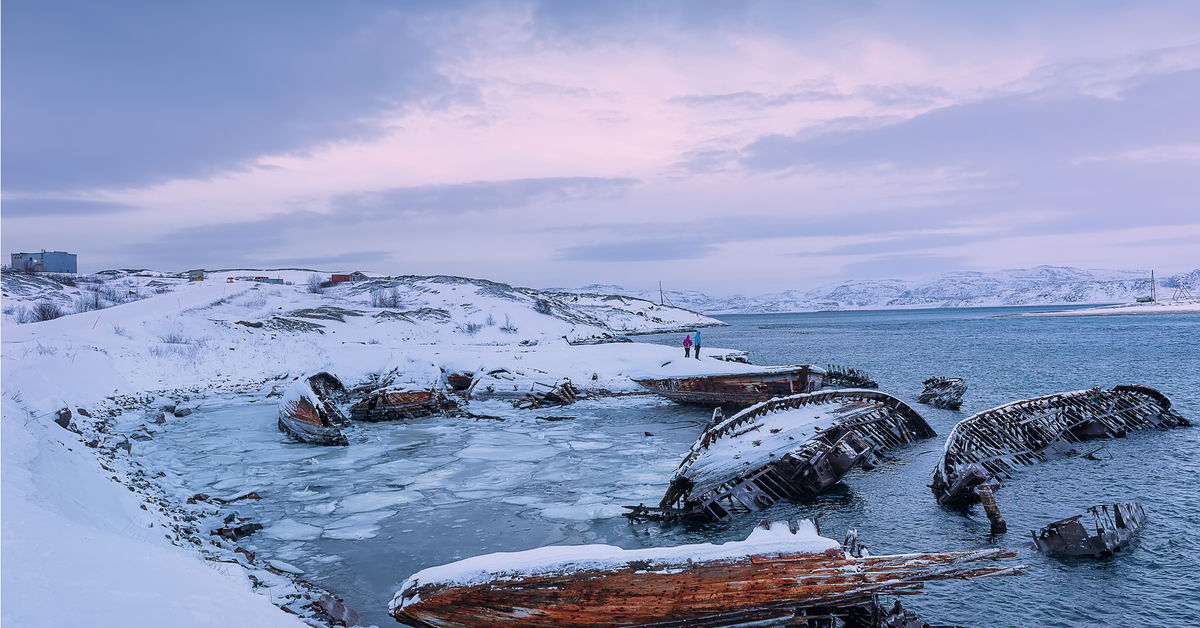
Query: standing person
pixel 697 344
pixel 687 346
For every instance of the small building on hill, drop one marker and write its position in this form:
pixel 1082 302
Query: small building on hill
pixel 339 278
pixel 45 262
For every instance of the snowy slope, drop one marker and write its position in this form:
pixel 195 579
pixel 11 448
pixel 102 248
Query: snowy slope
pixel 1043 285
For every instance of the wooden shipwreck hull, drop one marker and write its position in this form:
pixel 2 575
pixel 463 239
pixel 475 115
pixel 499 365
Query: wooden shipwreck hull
pixel 994 442
pixel 398 404
pixel 776 572
pixel 310 417
pixel 943 392
pixel 738 389
pixel 1099 531
pixel 787 448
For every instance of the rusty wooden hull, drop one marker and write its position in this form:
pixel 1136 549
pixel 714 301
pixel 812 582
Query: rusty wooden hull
pixel 682 592
pixel 943 392
pixel 787 448
pixel 737 389
pixel 303 416
pixel 995 442
pixel 393 405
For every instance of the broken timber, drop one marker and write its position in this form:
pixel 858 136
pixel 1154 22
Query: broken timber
pixel 1114 526
pixel 943 392
pixel 310 416
pixel 994 442
pixel 787 448
pixel 738 389
pixel 778 572
pixel 846 377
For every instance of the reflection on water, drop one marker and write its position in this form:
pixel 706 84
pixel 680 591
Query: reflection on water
pixel 360 519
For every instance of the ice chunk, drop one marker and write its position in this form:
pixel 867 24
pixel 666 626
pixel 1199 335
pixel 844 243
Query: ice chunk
pixel 292 530
pixel 366 502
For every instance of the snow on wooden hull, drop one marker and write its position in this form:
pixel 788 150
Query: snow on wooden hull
pixel 791 447
pixel 526 390
pixel 1098 532
pixel 773 572
pixel 738 389
pixel 994 442
pixel 304 415
pixel 392 405
pixel 943 392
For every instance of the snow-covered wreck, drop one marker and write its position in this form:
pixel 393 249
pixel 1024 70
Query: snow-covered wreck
pixel 780 573
pixel 787 448
pixel 311 416
pixel 994 442
pixel 389 404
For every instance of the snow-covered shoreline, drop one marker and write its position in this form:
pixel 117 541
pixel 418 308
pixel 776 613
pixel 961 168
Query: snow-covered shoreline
pixel 81 515
pixel 1125 309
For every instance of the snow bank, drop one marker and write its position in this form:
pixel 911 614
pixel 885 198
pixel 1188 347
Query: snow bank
pixel 79 548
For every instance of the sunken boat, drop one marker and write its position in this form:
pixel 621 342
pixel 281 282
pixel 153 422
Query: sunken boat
pixel 780 573
pixel 1099 531
pixel 310 417
pixel 787 448
pixel 991 444
pixel 536 389
pixel 393 404
pixel 943 392
pixel 738 389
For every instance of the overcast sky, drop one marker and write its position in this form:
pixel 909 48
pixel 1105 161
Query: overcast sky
pixel 721 146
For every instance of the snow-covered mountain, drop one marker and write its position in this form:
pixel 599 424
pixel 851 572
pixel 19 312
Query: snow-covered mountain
pixel 1042 285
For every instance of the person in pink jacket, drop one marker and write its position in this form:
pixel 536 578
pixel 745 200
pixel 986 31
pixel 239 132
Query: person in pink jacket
pixel 687 346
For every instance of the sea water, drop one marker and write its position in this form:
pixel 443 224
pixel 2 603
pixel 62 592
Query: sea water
pixel 405 496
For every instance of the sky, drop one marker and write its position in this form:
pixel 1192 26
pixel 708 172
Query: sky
pixel 729 147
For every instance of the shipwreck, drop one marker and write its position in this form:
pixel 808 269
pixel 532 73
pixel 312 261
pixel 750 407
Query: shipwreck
pixel 780 574
pixel 738 389
pixel 391 404
pixel 523 389
pixel 943 392
pixel 309 415
pixel 1099 531
pixel 987 446
pixel 788 448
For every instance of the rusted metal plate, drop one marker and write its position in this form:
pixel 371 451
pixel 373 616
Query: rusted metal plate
pixel 994 442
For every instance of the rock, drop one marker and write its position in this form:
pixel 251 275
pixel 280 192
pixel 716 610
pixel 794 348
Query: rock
pixel 182 412
pixel 336 610
pixel 83 412
pixel 126 445
pixel 157 418
pixel 168 407
pixel 198 497
pixel 255 324
pixel 238 532
pixel 64 419
pixel 245 552
pixel 140 436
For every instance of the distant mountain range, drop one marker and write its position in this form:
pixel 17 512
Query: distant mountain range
pixel 1042 285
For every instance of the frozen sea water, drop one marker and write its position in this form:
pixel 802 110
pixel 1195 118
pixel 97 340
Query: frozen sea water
pixel 404 496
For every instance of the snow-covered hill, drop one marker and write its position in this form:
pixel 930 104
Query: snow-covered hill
pixel 1043 285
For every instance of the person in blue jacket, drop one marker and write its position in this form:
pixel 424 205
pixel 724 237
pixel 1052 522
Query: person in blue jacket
pixel 696 344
